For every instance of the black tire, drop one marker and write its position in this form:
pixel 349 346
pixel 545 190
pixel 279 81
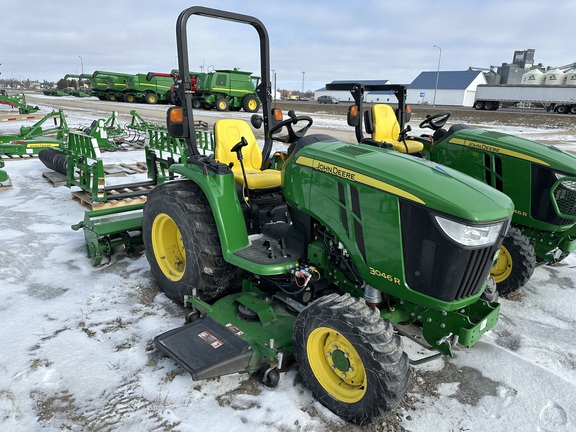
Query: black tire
pixel 515 263
pixel 129 97
pixel 111 97
pixel 250 103
pixel 488 105
pixel 562 109
pixel 173 98
pixel 573 109
pixel 151 98
pixel 350 358
pixel 197 103
pixel 478 105
pixel 222 104
pixel 182 243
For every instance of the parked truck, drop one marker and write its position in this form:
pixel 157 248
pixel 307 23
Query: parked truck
pixel 560 99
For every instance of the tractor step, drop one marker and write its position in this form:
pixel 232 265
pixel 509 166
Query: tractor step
pixel 206 349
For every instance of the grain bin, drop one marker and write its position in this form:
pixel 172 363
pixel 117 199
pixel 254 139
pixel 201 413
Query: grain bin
pixel 554 77
pixel 534 76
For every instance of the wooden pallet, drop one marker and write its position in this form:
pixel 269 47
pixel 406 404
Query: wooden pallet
pixel 113 170
pixel 85 199
pixel 55 178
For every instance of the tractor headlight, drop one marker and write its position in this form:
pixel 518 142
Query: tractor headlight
pixel 470 235
pixel 567 184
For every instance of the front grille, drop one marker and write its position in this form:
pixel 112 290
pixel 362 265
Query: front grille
pixel 542 209
pixel 437 266
pixel 565 196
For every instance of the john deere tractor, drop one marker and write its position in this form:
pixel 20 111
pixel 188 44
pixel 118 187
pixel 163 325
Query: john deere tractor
pixel 323 261
pixel 540 179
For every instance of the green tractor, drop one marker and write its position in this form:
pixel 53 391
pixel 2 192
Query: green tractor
pixel 323 261
pixel 540 179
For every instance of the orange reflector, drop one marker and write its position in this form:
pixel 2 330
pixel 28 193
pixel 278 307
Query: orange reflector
pixel 354 110
pixel 176 115
pixel 277 113
pixel 408 109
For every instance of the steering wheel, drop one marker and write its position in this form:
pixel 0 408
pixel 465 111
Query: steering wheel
pixel 290 123
pixel 435 121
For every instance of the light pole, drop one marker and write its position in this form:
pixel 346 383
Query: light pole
pixel 437 74
pixel 81 64
pixel 303 82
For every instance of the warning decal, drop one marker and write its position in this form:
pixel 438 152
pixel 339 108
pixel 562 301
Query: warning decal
pixel 210 339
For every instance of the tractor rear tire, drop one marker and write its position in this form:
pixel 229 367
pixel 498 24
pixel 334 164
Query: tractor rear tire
pixel 350 358
pixel 250 103
pixel 515 264
pixel 182 243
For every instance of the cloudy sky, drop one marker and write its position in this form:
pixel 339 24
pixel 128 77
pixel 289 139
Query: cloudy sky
pixel 328 40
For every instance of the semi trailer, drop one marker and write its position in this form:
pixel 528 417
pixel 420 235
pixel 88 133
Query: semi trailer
pixel 560 99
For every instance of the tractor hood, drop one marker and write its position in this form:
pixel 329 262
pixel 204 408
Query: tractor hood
pixel 426 183
pixel 520 148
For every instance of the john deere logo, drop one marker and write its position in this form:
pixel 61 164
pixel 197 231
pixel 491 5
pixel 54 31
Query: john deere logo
pixel 552 77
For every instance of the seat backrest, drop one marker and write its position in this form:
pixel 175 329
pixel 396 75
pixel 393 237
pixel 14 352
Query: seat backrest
pixel 228 133
pixel 385 125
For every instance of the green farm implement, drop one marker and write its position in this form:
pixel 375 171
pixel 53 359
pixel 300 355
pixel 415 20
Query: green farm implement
pixel 319 261
pixel 110 226
pixel 48 132
pixel 17 101
pixel 540 179
pixel 5 182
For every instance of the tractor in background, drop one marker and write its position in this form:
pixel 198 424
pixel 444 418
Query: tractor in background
pixel 320 261
pixel 540 179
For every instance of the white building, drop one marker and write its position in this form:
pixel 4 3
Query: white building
pixel 456 88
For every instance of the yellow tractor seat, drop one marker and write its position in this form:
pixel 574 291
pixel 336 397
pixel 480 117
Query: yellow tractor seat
pixel 228 133
pixel 382 123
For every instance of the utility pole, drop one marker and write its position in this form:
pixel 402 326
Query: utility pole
pixel 437 74
pixel 303 82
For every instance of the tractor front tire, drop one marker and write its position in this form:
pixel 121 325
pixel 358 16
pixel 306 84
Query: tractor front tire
pixel 515 264
pixel 350 358
pixel 182 243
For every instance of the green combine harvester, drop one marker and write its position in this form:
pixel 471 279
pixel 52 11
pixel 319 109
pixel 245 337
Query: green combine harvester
pixel 540 179
pixel 320 255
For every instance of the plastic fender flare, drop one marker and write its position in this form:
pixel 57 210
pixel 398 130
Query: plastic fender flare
pixel 220 189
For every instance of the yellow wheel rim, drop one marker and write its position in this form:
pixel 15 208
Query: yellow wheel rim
pixel 168 247
pixel 503 266
pixel 336 365
pixel 222 105
pixel 252 105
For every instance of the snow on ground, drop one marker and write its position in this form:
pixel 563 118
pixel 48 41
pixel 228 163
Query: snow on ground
pixel 77 351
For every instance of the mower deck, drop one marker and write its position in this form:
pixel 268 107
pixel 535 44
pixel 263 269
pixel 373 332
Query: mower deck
pixel 205 349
